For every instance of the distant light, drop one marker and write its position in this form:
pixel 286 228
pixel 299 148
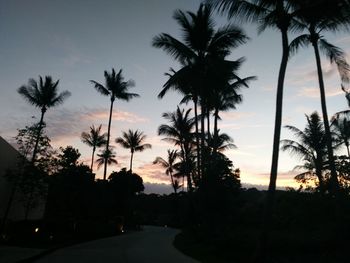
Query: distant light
pixel 36 230
pixel 166 226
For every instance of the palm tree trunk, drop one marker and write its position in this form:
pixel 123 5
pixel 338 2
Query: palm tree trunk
pixel 278 116
pixel 92 158
pixel 108 135
pixel 262 249
pixel 216 132
pixel 172 183
pixel 319 176
pixel 334 178
pixel 202 137
pixel 208 123
pixel 131 157
pixel 43 110
pixel 195 102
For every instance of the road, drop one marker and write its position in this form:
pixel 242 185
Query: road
pixel 152 245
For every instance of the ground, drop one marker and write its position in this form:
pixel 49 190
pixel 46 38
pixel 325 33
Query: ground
pixel 152 245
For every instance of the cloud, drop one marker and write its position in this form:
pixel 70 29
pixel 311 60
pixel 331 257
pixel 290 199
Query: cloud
pixel 69 53
pixel 236 115
pixel 102 114
pixel 312 92
pixel 65 125
pixel 152 173
pixel 308 73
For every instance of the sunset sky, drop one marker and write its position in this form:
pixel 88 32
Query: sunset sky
pixel 75 41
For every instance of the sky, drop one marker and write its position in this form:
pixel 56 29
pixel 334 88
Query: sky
pixel 76 41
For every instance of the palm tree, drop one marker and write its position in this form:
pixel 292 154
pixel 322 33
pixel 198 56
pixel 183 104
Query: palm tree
pixel 44 95
pixel 201 45
pixel 341 131
pixel 169 166
pixel 268 14
pixel 94 139
pixel 277 15
pixel 133 140
pixel 317 17
pixel 222 143
pixel 116 88
pixel 311 147
pixel 106 156
pixel 180 133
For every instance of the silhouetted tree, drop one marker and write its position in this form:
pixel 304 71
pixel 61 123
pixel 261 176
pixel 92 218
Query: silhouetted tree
pixel 340 128
pixel 106 156
pixel 277 15
pixel 133 140
pixel 311 147
pixel 116 88
pixel 318 16
pixel 180 133
pixel 70 189
pixel 44 95
pixel 169 164
pixel 202 45
pixel 95 140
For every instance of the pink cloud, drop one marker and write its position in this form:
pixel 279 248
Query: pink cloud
pixel 152 173
pixel 315 92
pixel 232 115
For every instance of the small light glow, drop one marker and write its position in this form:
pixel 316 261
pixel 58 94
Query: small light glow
pixel 36 230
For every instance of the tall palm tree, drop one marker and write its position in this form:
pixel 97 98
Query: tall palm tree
pixel 169 164
pixel 133 140
pixel 267 14
pixel 201 44
pixel 311 147
pixel 340 128
pixel 180 133
pixel 106 156
pixel 42 94
pixel 317 16
pixel 116 88
pixel 275 14
pixel 94 139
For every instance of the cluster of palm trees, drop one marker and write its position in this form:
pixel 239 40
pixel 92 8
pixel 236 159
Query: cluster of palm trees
pixel 313 16
pixel 44 95
pixel 311 148
pixel 208 79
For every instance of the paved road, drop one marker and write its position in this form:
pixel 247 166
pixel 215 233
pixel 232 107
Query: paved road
pixel 152 245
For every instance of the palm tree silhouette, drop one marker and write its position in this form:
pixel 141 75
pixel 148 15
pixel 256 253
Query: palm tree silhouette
pixel 180 133
pixel 133 140
pixel 201 45
pixel 268 14
pixel 94 139
pixel 169 164
pixel 317 17
pixel 106 156
pixel 116 88
pixel 277 15
pixel 340 128
pixel 311 147
pixel 42 94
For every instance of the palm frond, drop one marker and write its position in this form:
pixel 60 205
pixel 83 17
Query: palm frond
pixel 336 55
pixel 299 42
